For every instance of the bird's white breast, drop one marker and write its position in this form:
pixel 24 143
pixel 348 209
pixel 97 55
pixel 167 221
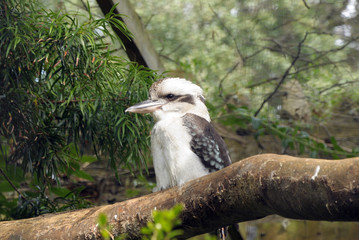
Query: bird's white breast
pixel 173 159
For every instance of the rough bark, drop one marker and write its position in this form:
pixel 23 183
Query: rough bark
pixel 299 188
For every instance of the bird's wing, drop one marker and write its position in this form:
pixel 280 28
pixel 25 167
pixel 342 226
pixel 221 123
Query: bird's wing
pixel 206 143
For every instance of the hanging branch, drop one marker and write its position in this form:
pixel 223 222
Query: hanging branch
pixel 284 75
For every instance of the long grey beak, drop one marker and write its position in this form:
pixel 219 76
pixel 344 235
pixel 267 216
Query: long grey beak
pixel 145 106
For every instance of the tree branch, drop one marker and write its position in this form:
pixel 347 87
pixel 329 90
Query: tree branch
pixel 220 86
pixel 241 59
pixel 284 75
pixel 262 185
pixel 306 4
pixel 337 85
pixel 306 68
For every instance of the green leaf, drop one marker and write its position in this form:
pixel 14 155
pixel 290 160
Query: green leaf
pixel 84 175
pixel 5 186
pixel 88 159
pixel 102 220
pixel 335 144
pixel 59 191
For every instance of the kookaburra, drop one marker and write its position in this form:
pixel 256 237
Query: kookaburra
pixel 184 143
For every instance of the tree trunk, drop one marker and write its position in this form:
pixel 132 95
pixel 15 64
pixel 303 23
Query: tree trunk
pixel 139 48
pixel 299 188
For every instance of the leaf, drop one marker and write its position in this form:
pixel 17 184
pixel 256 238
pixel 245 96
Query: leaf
pixel 83 174
pixel 88 159
pixel 102 220
pixel 335 144
pixel 301 148
pixel 61 192
pixel 5 186
pixel 287 143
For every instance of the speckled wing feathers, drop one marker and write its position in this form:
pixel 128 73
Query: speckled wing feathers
pixel 206 142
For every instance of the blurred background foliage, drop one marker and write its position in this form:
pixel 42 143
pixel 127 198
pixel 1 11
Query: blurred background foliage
pixel 279 77
pixel 282 68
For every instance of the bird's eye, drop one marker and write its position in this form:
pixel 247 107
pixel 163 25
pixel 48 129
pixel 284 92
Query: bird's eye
pixel 170 96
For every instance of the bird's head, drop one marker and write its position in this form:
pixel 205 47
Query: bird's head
pixel 173 97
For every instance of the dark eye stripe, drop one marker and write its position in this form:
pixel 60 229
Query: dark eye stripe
pixel 180 98
pixel 187 98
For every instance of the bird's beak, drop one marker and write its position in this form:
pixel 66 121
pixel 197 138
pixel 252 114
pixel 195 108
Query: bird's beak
pixel 146 106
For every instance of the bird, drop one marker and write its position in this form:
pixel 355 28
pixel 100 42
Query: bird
pixel 184 143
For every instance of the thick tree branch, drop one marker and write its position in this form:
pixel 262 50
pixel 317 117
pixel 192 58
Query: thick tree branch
pixel 299 188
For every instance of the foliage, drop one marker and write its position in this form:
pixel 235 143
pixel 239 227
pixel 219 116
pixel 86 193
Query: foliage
pixel 163 225
pixel 63 94
pixel 293 137
pixel 244 47
pixel 36 199
pixel 61 86
pixel 104 227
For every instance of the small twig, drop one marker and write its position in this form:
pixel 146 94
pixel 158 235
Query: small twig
pixel 241 60
pixel 84 5
pixel 148 21
pixel 13 186
pixel 337 85
pixel 284 75
pixel 77 5
pixel 305 4
pixel 254 54
pixel 292 73
pixel 321 54
pixel 170 59
pixel 262 82
pixel 228 32
pixel 224 78
pixel 175 49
